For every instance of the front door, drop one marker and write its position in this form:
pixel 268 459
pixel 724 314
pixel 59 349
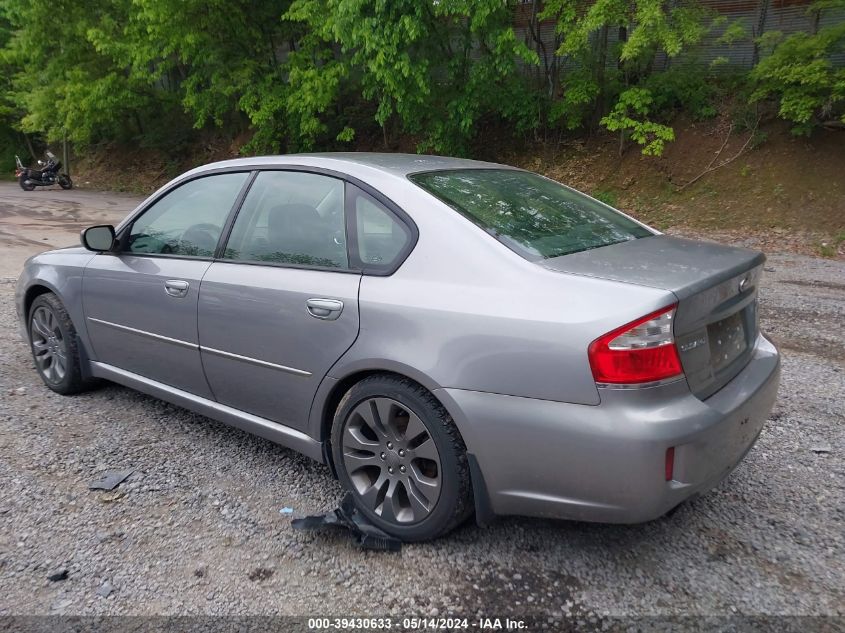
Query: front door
pixel 141 303
pixel 281 306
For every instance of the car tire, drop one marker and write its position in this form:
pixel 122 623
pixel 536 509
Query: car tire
pixel 55 346
pixel 411 482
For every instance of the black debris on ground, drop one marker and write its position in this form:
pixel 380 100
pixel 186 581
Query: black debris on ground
pixel 346 516
pixel 110 480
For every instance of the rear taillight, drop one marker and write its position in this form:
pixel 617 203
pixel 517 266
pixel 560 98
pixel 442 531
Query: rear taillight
pixel 642 351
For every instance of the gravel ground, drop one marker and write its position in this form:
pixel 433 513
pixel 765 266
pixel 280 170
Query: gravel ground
pixel 196 529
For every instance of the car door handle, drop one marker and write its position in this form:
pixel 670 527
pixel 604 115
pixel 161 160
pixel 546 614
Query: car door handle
pixel 326 309
pixel 176 287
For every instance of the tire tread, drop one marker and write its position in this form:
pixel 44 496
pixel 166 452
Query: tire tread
pixel 464 507
pixel 74 381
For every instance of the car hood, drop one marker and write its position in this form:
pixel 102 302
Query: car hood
pixel 682 266
pixel 49 256
pixel 74 248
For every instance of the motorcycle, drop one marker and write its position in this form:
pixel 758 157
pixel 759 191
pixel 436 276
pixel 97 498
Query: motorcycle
pixel 48 175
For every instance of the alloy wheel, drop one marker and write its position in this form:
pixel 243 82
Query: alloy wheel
pixel 48 345
pixel 392 460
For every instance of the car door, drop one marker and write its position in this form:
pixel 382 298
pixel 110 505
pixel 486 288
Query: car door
pixel 140 303
pixel 281 305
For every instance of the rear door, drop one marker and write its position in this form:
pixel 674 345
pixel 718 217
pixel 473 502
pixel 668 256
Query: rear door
pixel 141 303
pixel 281 305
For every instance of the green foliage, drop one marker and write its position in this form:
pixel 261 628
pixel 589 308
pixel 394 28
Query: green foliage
pixel 629 116
pixel 734 32
pixel 652 26
pixel 831 248
pixel 11 142
pixel 434 69
pixel 799 74
pixel 684 87
pixel 622 73
pixel 572 109
pixel 127 69
pixel 217 58
pixel 606 196
pixel 62 82
pixel 323 74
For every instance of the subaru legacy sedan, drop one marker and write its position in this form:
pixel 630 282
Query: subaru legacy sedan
pixel 449 336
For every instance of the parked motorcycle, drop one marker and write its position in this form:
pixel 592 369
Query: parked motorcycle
pixel 48 175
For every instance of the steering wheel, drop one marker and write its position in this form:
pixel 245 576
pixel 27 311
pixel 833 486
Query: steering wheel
pixel 202 236
pixel 157 242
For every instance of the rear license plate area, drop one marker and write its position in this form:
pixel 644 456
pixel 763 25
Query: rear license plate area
pixel 727 341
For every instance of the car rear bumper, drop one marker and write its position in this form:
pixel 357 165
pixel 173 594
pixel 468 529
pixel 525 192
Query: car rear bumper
pixel 607 463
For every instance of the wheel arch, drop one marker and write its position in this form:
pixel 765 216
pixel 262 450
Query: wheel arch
pixel 35 290
pixel 333 388
pixel 39 287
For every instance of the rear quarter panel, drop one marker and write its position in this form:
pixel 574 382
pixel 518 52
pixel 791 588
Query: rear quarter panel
pixel 465 312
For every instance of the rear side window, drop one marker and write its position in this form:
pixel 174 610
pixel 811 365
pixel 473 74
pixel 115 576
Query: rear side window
pixel 381 238
pixel 291 217
pixel 533 216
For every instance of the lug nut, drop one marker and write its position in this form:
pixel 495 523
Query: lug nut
pixel 390 469
pixel 390 445
pixel 402 468
pixel 401 452
pixel 383 456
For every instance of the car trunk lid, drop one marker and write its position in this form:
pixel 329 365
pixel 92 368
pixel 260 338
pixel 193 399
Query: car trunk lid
pixel 716 287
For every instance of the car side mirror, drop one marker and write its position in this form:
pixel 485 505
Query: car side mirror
pixel 98 238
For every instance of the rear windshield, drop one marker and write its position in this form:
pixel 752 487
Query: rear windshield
pixel 533 216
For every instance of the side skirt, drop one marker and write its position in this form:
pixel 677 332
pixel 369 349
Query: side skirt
pixel 278 433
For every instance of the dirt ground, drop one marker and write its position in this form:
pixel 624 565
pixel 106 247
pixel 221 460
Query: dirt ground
pixel 35 221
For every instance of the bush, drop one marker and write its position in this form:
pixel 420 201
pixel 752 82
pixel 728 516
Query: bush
pixel 684 87
pixel 630 117
pixel 11 143
pixel 800 76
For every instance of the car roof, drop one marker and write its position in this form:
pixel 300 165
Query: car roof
pixel 393 164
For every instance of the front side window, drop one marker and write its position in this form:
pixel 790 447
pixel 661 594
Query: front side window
pixel 187 221
pixel 533 216
pixel 291 217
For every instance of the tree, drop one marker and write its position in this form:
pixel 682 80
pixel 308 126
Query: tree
pixel 62 81
pixel 219 59
pixel 618 72
pixel 630 116
pixel 11 141
pixel 434 69
pixel 800 75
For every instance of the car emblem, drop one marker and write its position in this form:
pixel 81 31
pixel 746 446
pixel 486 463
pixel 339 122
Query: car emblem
pixel 691 345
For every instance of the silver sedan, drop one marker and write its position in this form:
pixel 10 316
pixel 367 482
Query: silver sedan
pixel 449 336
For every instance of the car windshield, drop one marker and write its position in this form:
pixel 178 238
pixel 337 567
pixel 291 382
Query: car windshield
pixel 533 216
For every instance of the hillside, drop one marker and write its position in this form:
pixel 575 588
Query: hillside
pixel 787 193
